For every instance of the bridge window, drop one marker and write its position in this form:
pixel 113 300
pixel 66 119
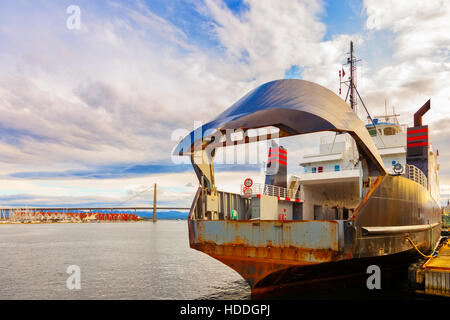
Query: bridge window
pixel 389 131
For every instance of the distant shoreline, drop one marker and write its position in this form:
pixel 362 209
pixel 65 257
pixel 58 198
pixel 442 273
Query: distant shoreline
pixel 87 222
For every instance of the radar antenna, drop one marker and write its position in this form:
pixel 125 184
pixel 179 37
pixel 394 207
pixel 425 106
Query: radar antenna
pixel 351 83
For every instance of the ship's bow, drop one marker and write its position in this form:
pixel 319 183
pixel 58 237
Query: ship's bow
pixel 258 249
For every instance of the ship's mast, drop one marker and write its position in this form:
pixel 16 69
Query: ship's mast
pixel 351 82
pixel 352 61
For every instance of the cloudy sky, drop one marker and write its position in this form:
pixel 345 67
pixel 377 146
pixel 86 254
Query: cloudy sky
pixel 88 114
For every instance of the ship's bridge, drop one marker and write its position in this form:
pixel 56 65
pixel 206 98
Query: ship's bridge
pixel 334 170
pixel 337 157
pixel 389 137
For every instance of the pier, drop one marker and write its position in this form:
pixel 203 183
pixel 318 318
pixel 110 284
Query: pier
pixel 433 276
pixel 79 214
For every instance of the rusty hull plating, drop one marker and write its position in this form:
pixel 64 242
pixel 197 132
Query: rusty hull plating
pixel 258 249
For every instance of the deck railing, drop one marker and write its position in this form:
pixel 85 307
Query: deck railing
pixel 415 174
pixel 274 191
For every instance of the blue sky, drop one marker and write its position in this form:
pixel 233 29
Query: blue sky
pixel 96 108
pixel 343 17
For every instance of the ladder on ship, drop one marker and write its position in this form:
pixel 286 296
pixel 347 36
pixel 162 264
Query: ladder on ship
pixel 294 184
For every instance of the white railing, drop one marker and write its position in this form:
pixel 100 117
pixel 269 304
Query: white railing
pixel 274 191
pixel 415 174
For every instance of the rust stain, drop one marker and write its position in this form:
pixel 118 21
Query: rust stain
pixel 310 234
pixel 256 251
pixel 367 196
pixel 255 263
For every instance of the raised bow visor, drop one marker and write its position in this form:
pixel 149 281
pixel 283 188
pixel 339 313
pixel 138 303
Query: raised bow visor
pixel 295 107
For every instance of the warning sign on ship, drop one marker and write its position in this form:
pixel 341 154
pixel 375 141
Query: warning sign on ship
pixel 248 182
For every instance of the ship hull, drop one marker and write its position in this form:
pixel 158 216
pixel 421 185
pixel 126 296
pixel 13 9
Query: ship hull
pixel 270 254
pixel 275 267
pixel 334 277
pixel 246 248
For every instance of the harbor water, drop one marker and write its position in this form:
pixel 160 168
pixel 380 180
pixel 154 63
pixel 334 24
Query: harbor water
pixel 142 260
pixel 138 261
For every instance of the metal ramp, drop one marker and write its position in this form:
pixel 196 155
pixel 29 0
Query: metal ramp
pixel 433 277
pixel 437 272
pixel 293 185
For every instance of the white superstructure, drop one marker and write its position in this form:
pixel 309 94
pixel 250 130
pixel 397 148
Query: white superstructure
pixel 334 173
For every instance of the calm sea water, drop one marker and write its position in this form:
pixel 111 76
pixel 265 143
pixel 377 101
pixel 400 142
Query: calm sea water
pixel 141 260
pixel 117 261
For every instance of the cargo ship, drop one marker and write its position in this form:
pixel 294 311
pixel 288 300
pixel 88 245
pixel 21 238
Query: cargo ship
pixel 369 196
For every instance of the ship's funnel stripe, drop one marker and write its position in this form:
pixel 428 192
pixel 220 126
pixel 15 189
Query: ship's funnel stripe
pixel 279 161
pixel 425 138
pixel 417 144
pixel 278 150
pixel 421 134
pixel 276 156
pixel 422 130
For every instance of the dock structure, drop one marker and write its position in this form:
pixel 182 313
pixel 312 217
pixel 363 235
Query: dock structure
pixel 81 214
pixel 433 277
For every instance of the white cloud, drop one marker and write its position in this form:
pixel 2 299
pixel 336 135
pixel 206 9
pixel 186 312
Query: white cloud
pixel 420 26
pixel 272 35
pixel 114 91
pixel 419 68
